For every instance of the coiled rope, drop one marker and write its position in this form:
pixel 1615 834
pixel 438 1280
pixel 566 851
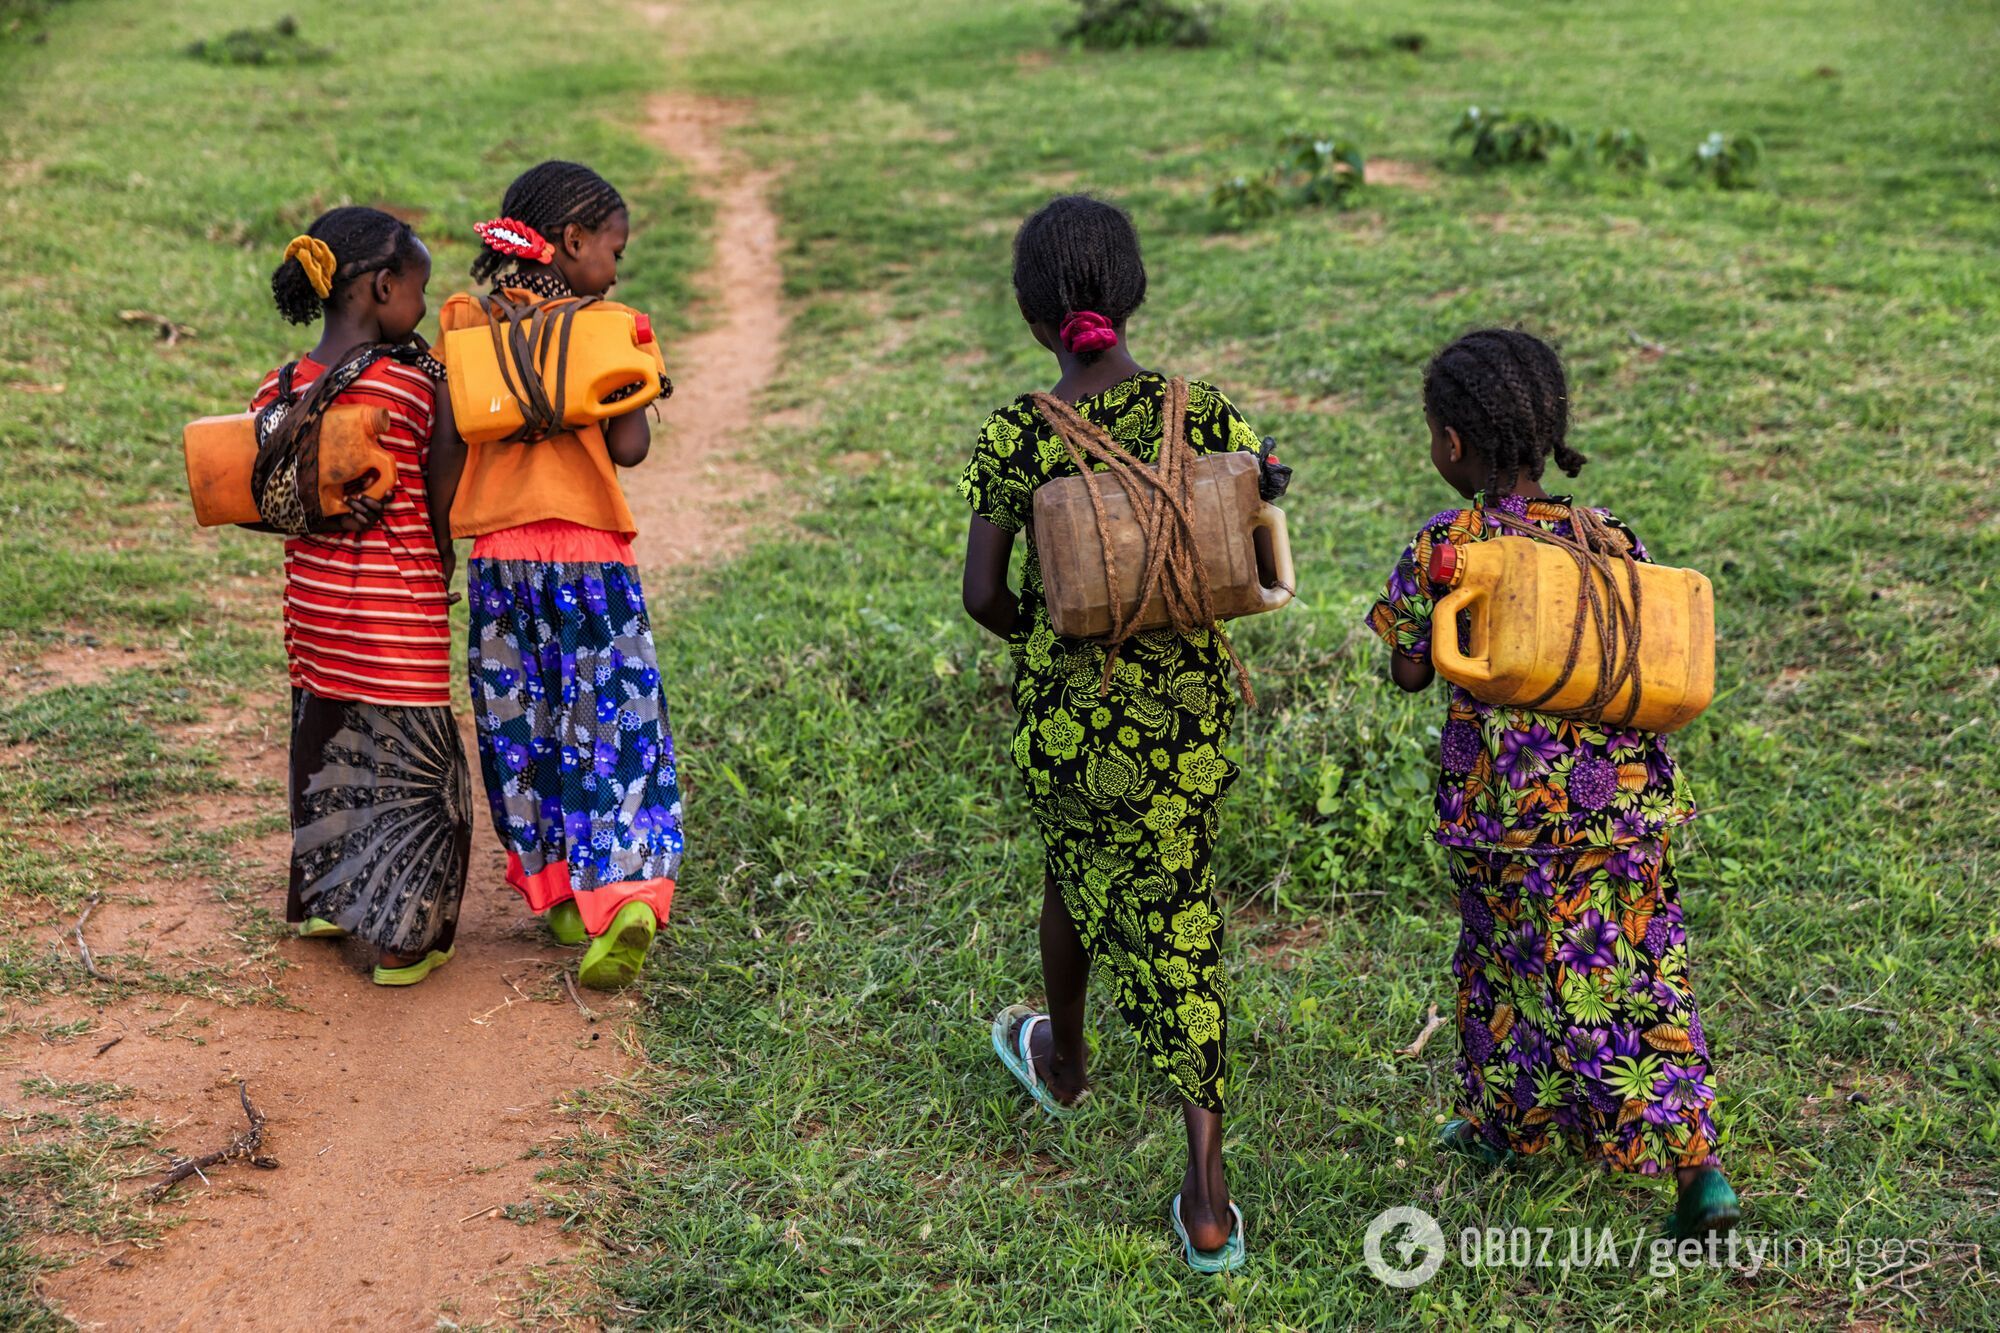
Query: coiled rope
pixel 1598 549
pixel 522 332
pixel 1162 499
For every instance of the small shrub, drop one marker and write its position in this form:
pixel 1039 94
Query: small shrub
pixel 1312 171
pixel 279 44
pixel 1623 150
pixel 1412 42
pixel 1500 138
pixel 1244 199
pixel 1729 161
pixel 1324 171
pixel 1107 24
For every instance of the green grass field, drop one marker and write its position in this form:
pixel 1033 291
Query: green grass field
pixel 1787 387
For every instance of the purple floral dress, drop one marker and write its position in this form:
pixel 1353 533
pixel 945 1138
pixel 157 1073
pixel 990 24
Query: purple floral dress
pixel 1577 1021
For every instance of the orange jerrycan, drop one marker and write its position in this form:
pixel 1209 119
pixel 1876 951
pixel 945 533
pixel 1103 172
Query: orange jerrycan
pixel 1523 602
pixel 536 369
pixel 1245 576
pixel 220 452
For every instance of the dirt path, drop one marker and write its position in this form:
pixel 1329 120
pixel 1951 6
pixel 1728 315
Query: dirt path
pixel 404 1120
pixel 693 499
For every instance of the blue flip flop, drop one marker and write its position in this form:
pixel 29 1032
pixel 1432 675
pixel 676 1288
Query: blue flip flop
pixel 1010 1042
pixel 1230 1257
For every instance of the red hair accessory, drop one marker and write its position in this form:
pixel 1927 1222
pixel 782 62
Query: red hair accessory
pixel 1087 331
pixel 515 239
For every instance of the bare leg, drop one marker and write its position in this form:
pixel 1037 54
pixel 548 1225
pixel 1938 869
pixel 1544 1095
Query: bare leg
pixel 1204 1194
pixel 1057 1046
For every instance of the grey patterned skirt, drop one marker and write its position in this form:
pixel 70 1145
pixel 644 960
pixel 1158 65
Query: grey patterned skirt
pixel 381 821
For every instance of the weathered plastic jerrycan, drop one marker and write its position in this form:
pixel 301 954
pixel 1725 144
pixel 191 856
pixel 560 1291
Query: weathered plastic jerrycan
pixel 1245 576
pixel 1518 598
pixel 608 348
pixel 220 452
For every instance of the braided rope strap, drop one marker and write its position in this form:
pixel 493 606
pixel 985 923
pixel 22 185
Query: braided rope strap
pixel 1598 550
pixel 522 334
pixel 1162 499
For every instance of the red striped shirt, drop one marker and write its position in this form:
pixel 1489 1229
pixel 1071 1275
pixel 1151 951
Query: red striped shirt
pixel 365 613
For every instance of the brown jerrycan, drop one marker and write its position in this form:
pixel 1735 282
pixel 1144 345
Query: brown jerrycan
pixel 1575 628
pixel 220 452
pixel 1073 536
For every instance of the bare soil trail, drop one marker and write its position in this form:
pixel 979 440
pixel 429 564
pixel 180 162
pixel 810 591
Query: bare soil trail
pixel 406 1123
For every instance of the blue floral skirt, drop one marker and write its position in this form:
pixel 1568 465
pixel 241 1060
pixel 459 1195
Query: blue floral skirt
pixel 574 741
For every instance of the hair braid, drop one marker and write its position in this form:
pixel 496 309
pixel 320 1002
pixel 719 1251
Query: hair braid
pixel 549 197
pixel 1077 254
pixel 363 240
pixel 1504 392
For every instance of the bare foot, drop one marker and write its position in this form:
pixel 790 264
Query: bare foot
pixel 1062 1073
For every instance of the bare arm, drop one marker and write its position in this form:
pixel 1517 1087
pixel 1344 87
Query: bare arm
pixel 1410 674
pixel 628 439
pixel 441 475
pixel 988 599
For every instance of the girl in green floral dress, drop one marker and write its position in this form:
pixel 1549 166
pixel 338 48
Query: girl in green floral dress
pixel 1124 776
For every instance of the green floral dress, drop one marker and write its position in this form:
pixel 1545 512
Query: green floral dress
pixel 1125 785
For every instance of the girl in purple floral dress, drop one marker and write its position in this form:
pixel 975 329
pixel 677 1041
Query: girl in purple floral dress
pixel 1578 1027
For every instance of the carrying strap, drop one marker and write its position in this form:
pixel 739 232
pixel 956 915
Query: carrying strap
pixel 1598 549
pixel 284 479
pixel 1162 499
pixel 522 334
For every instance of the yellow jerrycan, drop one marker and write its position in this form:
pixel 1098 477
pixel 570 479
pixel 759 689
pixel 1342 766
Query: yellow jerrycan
pixel 220 452
pixel 1538 638
pixel 1246 575
pixel 537 369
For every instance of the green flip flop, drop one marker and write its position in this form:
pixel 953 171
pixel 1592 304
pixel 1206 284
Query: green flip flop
pixel 616 956
pixel 565 922
pixel 1011 1030
pixel 1707 1206
pixel 318 928
pixel 1457 1135
pixel 411 974
pixel 1230 1257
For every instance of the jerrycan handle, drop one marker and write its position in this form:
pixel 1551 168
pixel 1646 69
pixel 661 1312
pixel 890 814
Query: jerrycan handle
pixel 1446 567
pixel 1271 519
pixel 1453 665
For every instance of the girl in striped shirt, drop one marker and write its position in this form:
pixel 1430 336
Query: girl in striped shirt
pixel 381 817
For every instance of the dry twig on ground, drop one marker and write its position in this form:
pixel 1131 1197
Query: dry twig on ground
pixel 1431 1024
pixel 243 1146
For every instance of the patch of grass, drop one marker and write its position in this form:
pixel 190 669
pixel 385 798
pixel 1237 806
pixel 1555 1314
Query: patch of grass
pixel 1131 23
pixel 279 44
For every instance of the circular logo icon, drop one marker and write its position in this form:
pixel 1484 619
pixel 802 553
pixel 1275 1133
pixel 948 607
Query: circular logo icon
pixel 1404 1247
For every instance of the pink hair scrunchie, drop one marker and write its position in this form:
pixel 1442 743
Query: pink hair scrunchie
pixel 1087 331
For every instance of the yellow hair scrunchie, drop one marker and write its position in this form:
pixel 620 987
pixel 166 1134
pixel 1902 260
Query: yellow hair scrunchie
pixel 316 258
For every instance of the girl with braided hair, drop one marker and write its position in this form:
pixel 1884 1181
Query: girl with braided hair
pixel 1578 1027
pixel 381 818
pixel 1125 773
pixel 574 739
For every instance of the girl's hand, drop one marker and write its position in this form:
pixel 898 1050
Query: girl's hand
pixel 362 514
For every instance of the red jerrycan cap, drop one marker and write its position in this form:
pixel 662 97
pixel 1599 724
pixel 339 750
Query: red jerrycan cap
pixel 1444 564
pixel 642 330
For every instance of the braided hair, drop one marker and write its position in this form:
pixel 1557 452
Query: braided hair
pixel 1078 254
pixel 1503 391
pixel 363 240
pixel 548 198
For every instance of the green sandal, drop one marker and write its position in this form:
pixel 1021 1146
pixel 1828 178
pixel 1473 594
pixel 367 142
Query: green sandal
pixel 411 974
pixel 616 956
pixel 318 928
pixel 1459 1136
pixel 1011 1030
pixel 1707 1206
pixel 1225 1260
pixel 565 922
